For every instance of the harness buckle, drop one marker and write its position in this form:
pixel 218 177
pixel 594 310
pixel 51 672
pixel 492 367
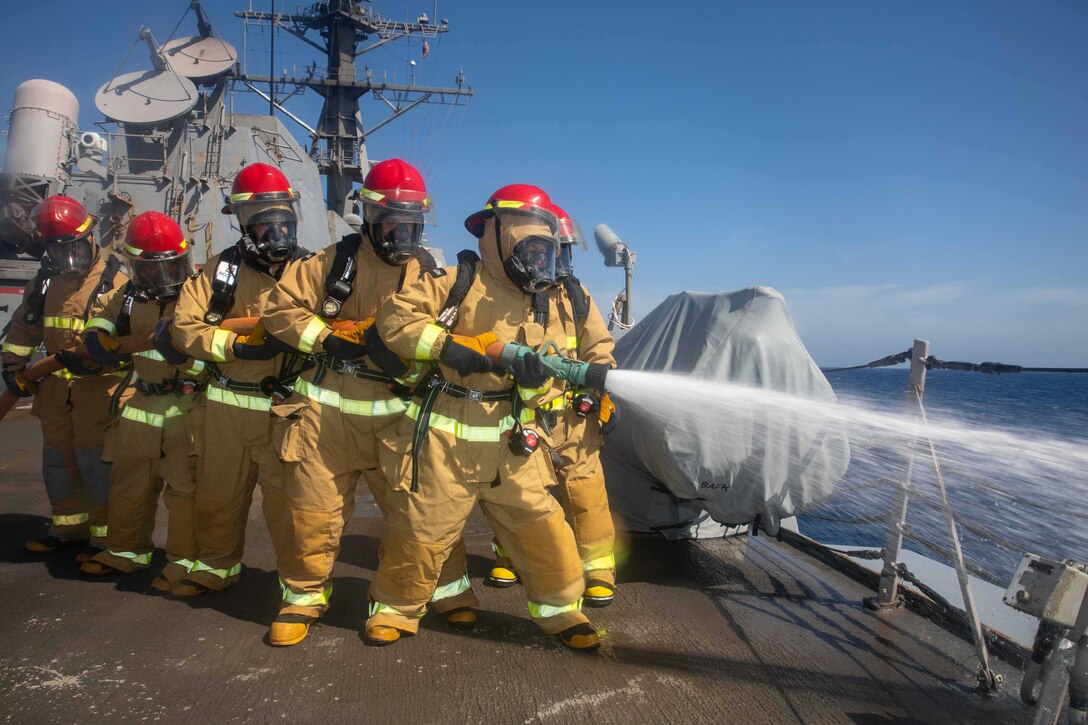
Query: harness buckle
pixel 474 395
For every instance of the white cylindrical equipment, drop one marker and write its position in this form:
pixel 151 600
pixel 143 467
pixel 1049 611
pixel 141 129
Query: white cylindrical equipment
pixel 43 116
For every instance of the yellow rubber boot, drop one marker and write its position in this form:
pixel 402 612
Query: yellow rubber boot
pixel 380 635
pixel 580 637
pixel 289 629
pixel 461 618
pixel 502 574
pixel 599 593
pixel 96 568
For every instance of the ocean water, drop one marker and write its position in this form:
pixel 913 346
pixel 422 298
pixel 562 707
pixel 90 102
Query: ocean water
pixel 1001 514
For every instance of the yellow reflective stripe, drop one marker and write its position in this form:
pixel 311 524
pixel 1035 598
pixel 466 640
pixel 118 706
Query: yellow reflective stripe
pixel 505 204
pixel 474 433
pixel 349 405
pixel 309 599
pixel 554 404
pixel 68 375
pixel 144 559
pixel 497 548
pixel 219 345
pixel 221 573
pixel 102 323
pixel 238 400
pixel 542 611
pixel 415 372
pixel 99 532
pixel 71 519
pixel 527 393
pixel 425 345
pixel 452 589
pixel 64 323
pixel 150 355
pixel 20 350
pixel 372 195
pixel 196 369
pixel 83 227
pixel 187 564
pixel 379 608
pixel 600 563
pixel 572 342
pixel 309 335
pixel 152 419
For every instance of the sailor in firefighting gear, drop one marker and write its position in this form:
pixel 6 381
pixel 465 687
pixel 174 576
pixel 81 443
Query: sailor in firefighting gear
pixel 577 437
pixel 151 451
pixel 246 375
pixel 73 409
pixel 473 434
pixel 346 404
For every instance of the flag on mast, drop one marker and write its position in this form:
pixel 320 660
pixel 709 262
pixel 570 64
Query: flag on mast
pixel 426 48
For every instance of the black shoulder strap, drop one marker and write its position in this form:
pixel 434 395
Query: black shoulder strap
pixel 467 262
pixel 540 308
pixel 338 284
pixel 35 302
pixel 105 282
pixel 577 296
pixel 224 282
pixel 124 318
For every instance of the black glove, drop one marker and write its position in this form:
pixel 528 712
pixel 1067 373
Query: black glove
pixel 465 354
pixel 17 385
pixel 529 370
pixel 76 365
pixel 382 356
pixel 343 349
pixel 262 351
pixel 164 344
pixel 104 350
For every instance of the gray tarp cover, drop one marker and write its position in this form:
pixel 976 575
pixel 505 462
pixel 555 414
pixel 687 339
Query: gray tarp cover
pixel 667 473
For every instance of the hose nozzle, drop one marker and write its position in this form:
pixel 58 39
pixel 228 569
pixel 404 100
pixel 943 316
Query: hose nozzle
pixel 575 372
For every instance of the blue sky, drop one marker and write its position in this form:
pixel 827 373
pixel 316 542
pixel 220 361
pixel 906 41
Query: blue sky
pixel 896 170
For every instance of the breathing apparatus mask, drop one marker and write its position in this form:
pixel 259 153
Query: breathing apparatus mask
pixel 564 266
pixel 270 234
pixel 395 230
pixel 531 262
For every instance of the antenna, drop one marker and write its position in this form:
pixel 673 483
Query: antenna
pixel 147 98
pixel 339 29
pixel 617 254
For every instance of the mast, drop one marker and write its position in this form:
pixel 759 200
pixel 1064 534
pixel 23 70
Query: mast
pixel 340 29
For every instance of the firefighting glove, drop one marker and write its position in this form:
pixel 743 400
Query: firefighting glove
pixel 103 348
pixel 468 355
pixel 76 365
pixel 165 346
pixel 610 414
pixel 254 346
pixel 348 343
pixel 529 371
pixel 17 385
pixel 379 354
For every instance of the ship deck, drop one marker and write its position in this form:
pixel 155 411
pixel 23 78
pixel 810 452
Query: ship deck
pixel 701 631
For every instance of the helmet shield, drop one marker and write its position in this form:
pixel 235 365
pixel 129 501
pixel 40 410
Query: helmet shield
pixel 73 258
pixel 161 278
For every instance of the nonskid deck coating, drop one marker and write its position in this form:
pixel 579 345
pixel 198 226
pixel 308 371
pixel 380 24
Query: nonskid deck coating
pixel 719 630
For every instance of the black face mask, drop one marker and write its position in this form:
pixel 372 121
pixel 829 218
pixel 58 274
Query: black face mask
pixel 400 245
pixel 72 259
pixel 277 244
pixel 531 264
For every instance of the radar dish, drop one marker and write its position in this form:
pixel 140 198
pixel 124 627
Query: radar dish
pixel 146 97
pixel 200 57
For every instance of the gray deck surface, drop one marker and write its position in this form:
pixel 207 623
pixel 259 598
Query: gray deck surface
pixel 745 630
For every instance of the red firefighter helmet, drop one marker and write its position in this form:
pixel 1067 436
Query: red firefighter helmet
pixel 395 206
pixel 267 210
pixel 158 256
pixel 64 227
pixel 61 219
pixel 569 235
pixel 517 198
